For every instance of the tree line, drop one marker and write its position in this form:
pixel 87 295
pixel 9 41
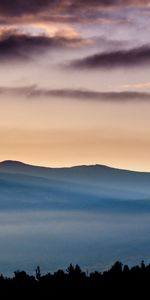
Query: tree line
pixel 119 282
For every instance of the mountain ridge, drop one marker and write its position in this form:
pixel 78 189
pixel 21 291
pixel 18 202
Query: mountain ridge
pixel 16 163
pixel 89 187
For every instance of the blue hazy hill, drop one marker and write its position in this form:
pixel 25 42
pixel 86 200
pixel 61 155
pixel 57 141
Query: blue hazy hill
pixel 83 187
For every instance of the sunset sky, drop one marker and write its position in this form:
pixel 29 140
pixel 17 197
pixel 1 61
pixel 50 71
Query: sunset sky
pixel 75 82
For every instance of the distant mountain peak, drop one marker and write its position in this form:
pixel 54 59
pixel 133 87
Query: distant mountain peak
pixel 11 163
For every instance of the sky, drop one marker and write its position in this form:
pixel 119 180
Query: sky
pixel 74 82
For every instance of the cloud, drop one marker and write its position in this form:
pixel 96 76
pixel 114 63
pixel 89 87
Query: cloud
pixel 79 4
pixel 21 7
pixel 88 95
pixel 16 46
pixel 140 85
pixel 25 7
pixel 35 92
pixel 116 59
pixel 27 12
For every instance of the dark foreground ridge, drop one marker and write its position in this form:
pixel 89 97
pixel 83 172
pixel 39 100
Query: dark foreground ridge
pixel 120 282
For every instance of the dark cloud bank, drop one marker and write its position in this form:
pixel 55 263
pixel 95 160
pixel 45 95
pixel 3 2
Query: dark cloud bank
pixel 122 58
pixel 15 46
pixel 21 7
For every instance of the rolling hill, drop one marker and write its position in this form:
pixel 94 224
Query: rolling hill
pixel 94 187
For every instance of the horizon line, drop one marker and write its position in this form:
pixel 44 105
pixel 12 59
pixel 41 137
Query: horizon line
pixel 72 166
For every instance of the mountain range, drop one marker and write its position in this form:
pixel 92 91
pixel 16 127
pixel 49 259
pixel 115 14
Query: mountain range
pixel 94 187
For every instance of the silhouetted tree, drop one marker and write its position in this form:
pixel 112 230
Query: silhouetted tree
pixel 70 270
pixel 38 273
pixel 142 265
pixel 126 270
pixel 116 268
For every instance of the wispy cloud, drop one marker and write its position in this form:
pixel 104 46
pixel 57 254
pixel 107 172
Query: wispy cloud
pixel 140 85
pixel 35 92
